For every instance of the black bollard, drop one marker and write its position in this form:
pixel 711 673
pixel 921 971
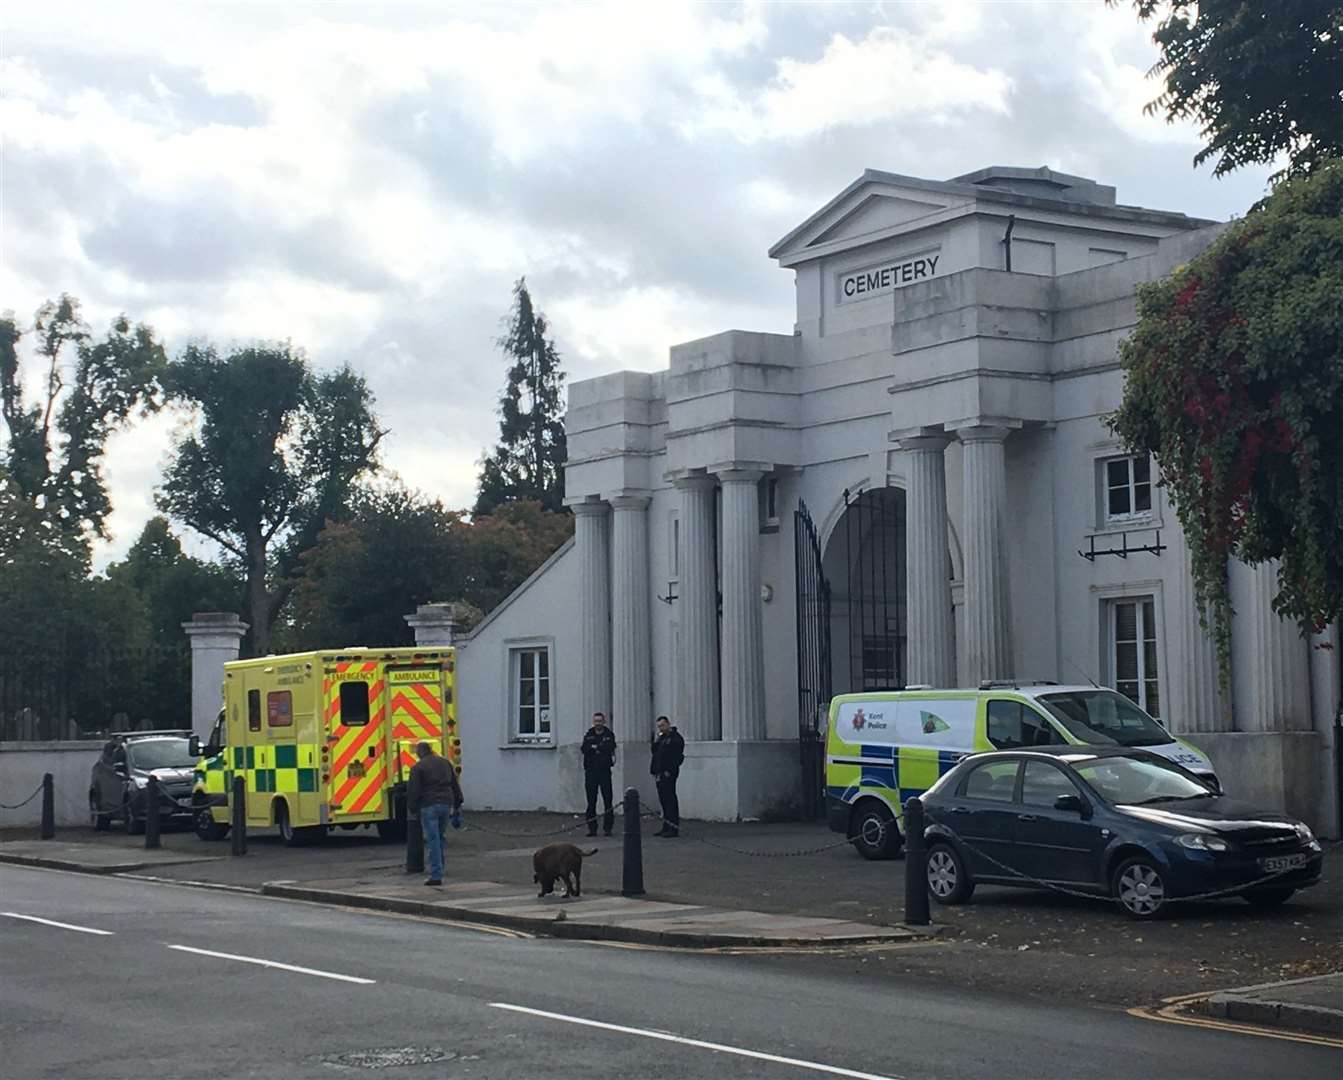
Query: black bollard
pixel 48 807
pixel 238 812
pixel 152 814
pixel 632 879
pixel 414 844
pixel 916 866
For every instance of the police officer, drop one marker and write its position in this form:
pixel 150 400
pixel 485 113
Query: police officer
pixel 668 753
pixel 599 757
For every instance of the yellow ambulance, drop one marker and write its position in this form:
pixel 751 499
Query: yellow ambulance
pixel 325 739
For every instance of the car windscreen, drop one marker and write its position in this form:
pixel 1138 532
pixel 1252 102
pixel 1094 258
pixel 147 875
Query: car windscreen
pixel 1130 781
pixel 151 754
pixel 1103 717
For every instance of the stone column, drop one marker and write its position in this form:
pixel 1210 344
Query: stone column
pixel 988 627
pixel 592 540
pixel 1200 702
pixel 215 638
pixel 631 675
pixel 435 625
pixel 698 696
pixel 743 637
pixel 1280 672
pixel 928 568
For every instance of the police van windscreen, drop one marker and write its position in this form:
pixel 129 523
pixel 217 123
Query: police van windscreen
pixel 161 754
pixel 1102 717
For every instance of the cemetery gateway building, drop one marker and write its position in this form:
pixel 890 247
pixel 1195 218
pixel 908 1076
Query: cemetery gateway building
pixel 916 485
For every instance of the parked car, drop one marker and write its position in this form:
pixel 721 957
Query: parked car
pixel 120 778
pixel 1107 821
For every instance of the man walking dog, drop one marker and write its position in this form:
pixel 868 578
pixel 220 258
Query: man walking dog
pixel 435 795
pixel 599 758
pixel 668 753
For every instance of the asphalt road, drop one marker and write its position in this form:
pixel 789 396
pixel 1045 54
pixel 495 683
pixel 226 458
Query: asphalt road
pixel 279 989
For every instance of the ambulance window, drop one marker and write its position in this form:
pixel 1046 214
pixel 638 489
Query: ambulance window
pixel 280 708
pixel 253 710
pixel 354 704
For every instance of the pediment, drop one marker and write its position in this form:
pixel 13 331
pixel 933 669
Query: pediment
pixel 874 214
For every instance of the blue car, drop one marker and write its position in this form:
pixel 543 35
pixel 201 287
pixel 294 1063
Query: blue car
pixel 1111 822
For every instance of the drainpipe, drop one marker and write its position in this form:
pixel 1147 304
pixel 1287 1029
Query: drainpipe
pixel 1007 241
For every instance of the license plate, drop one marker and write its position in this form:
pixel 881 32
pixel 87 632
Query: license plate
pixel 1281 862
pixel 357 769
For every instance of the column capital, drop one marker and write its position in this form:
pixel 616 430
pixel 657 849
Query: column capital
pixel 740 475
pixel 695 482
pixel 930 443
pixel 976 432
pixel 588 506
pixel 224 624
pixel 631 500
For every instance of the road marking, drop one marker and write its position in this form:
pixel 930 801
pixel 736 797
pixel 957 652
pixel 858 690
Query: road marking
pixel 814 1066
pixel 1170 1014
pixel 61 925
pixel 275 964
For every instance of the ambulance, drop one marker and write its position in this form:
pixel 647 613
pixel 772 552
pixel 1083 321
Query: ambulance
pixel 325 739
pixel 884 748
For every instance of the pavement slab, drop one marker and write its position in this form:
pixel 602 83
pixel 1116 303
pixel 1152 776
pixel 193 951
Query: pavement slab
pixel 1314 1004
pixel 92 858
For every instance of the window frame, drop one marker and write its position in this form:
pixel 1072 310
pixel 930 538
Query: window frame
pixel 368 705
pixel 1058 770
pixel 963 789
pixel 254 709
pixel 514 735
pixel 273 697
pixel 1145 608
pixel 1132 516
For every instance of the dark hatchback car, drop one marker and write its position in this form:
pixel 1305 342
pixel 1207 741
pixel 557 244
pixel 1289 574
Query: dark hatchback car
pixel 1116 822
pixel 120 779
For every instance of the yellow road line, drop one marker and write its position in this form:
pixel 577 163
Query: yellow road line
pixel 1168 1014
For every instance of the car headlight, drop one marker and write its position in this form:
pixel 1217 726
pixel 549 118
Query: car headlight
pixel 140 781
pixel 1303 833
pixel 1202 842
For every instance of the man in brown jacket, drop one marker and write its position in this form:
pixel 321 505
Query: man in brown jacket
pixel 435 795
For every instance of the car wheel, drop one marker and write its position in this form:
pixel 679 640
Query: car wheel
pixel 948 880
pixel 133 825
pixel 874 831
pixel 1140 888
pixel 207 828
pixel 1267 898
pixel 101 822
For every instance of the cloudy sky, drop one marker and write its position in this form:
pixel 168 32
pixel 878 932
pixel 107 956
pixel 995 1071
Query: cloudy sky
pixel 367 179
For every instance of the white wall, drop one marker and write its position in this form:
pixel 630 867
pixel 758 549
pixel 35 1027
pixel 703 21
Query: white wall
pixel 21 768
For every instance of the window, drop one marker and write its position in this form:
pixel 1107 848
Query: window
pixel 1013 725
pixel 253 710
pixel 996 780
pixel 1133 656
pixel 768 498
pixel 1042 783
pixel 531 694
pixel 1102 717
pixel 1128 489
pixel 280 708
pixel 354 704
pixel 674 549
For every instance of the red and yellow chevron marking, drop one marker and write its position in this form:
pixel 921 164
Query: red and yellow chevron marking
pixel 356 759
pixel 417 712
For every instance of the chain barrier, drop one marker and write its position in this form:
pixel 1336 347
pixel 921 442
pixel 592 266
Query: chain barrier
pixel 582 823
pixel 17 806
pixel 680 831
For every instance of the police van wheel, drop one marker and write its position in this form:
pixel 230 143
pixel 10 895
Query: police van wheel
pixel 207 828
pixel 874 832
pixel 947 878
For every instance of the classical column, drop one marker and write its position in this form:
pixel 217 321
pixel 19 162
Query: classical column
pixel 215 638
pixel 1201 704
pixel 1280 666
pixel 592 540
pixel 697 698
pixel 929 620
pixel 631 675
pixel 743 660
pixel 988 628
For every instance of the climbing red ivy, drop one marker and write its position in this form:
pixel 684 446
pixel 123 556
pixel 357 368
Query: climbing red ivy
pixel 1234 383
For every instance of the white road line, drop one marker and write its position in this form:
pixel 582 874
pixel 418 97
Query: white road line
pixel 275 964
pixel 61 925
pixel 814 1066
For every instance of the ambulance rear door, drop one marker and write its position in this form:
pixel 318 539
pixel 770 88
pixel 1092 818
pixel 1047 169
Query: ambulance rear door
pixel 417 702
pixel 354 756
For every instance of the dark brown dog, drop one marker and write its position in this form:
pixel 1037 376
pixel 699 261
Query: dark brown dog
pixel 556 862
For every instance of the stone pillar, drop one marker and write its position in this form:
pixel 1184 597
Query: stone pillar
pixel 435 625
pixel 698 692
pixel 631 646
pixel 1200 702
pixel 743 637
pixel 215 638
pixel 988 627
pixel 928 568
pixel 1280 671
pixel 592 540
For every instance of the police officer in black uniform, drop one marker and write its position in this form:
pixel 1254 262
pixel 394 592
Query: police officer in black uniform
pixel 668 753
pixel 599 757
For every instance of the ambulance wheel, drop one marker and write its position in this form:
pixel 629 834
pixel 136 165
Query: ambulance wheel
pixel 207 828
pixel 133 826
pixel 873 830
pixel 948 880
pixel 292 836
pixel 101 822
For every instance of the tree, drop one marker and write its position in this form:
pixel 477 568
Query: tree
pixel 1234 382
pixel 274 455
pixel 1262 79
pixel 56 443
pixel 528 463
pixel 504 548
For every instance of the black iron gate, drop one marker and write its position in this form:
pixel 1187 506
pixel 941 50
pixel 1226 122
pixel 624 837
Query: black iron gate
pixel 874 536
pixel 813 659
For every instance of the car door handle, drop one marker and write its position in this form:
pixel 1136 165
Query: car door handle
pixel 1027 817
pixel 960 809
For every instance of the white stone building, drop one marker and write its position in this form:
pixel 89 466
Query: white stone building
pixel 914 486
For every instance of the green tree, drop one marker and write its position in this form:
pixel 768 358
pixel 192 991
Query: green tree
pixel 276 452
pixel 528 462
pixel 1262 79
pixel 504 548
pixel 89 389
pixel 1234 382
